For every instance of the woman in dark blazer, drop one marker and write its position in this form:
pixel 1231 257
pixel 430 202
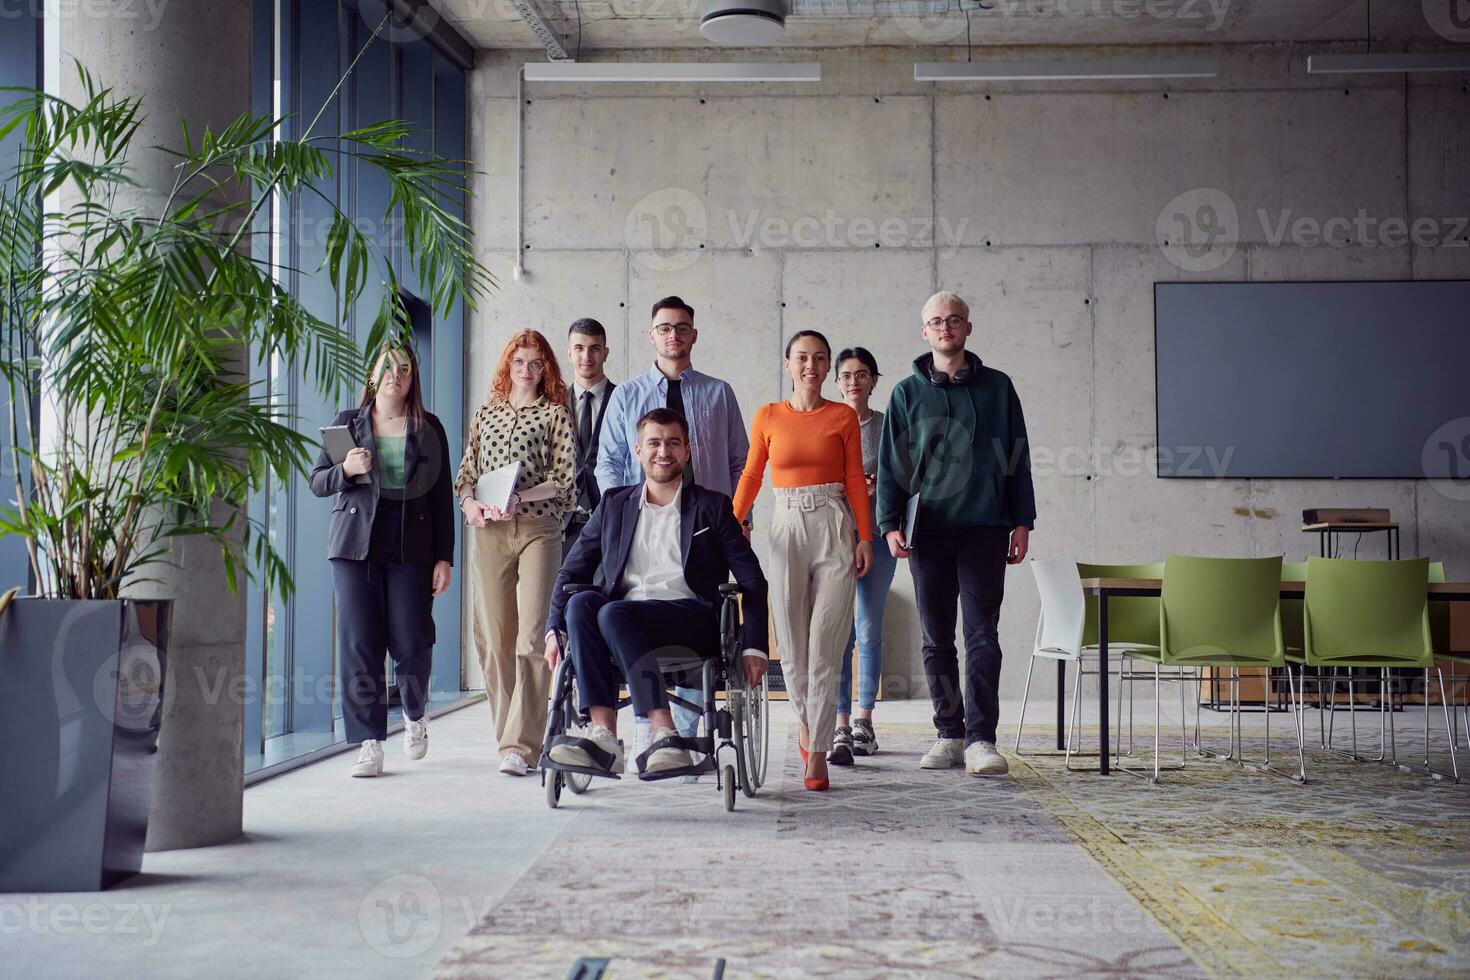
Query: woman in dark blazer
pixel 391 546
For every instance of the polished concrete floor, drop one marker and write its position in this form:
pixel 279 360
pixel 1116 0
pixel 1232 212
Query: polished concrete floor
pixel 429 848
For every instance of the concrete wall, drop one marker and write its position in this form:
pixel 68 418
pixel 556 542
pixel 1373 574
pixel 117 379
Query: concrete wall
pixel 841 206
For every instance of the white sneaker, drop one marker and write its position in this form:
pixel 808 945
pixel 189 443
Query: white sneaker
pixel 669 758
pixel 575 755
pixel 946 754
pixel 981 759
pixel 642 737
pixel 514 764
pixel 416 738
pixel 369 759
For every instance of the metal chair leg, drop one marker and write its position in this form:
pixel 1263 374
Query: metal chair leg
pixel 1427 769
pixel 1025 694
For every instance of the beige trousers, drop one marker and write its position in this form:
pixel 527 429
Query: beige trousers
pixel 811 591
pixel 515 566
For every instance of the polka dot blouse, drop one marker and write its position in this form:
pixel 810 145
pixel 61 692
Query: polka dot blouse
pixel 539 435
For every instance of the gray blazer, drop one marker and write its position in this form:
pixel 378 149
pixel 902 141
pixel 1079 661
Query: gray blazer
pixel 427 494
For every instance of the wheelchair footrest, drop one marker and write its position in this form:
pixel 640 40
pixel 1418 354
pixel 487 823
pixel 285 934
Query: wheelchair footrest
pixel 707 764
pixel 701 744
pixel 602 761
pixel 550 766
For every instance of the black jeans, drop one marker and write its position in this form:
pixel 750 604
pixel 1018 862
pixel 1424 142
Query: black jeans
pixel 384 606
pixel 967 565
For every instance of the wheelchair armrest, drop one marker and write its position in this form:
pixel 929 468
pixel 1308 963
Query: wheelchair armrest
pixel 728 589
pixel 572 588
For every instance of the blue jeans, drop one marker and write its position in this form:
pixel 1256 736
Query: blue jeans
pixel 867 632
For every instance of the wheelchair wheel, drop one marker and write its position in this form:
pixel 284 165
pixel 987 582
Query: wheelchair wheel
pixel 757 733
pixel 553 788
pixel 727 783
pixel 577 782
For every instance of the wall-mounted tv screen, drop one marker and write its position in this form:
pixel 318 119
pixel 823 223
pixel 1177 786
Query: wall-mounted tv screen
pixel 1313 379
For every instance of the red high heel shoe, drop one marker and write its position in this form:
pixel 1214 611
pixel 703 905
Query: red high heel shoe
pixel 815 784
pixel 803 755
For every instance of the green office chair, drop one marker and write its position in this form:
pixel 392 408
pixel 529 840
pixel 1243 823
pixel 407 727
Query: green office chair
pixel 1224 613
pixel 1363 613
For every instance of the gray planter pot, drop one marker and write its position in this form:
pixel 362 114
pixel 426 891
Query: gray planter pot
pixel 81 695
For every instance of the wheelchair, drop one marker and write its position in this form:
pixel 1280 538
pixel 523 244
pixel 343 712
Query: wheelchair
pixel 734 740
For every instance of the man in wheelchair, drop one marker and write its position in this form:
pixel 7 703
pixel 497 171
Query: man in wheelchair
pixel 661 550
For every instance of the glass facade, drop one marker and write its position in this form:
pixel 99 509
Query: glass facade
pixel 20 67
pixel 302 49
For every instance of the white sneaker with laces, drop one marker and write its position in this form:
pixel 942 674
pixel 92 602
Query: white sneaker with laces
pixel 982 759
pixel 946 754
pixel 369 759
pixel 514 764
pixel 416 738
pixel 598 735
pixel 669 758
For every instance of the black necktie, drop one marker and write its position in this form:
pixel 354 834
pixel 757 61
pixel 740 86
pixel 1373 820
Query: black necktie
pixel 585 423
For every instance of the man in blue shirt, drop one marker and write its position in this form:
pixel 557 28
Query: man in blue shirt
pixel 716 429
pixel 717 436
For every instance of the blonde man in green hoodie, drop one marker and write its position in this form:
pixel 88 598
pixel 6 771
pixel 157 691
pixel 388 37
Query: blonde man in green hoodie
pixel 954 436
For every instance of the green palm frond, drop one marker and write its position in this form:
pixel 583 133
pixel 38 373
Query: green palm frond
pixel 145 326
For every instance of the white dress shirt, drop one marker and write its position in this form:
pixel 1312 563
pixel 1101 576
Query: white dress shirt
pixel 599 395
pixel 655 568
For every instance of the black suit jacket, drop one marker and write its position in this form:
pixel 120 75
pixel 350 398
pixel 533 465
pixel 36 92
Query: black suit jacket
pixel 710 541
pixel 587 491
pixel 427 494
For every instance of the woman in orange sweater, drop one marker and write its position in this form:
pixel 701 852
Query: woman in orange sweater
pixel 815 448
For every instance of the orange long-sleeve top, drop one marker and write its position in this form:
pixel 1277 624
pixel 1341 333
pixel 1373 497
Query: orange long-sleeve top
pixel 806 448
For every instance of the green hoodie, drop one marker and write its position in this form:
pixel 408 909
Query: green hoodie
pixel 966 441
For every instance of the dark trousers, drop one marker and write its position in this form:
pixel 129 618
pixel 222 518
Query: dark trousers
pixel 613 638
pixel 570 535
pixel 383 607
pixel 968 565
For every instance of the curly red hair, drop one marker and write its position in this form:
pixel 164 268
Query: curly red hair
pixel 551 386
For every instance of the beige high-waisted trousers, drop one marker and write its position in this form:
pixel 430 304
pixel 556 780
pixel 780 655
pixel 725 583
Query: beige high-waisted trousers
pixel 812 580
pixel 515 566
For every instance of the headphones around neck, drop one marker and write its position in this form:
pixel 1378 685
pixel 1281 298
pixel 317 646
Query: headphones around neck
pixel 939 379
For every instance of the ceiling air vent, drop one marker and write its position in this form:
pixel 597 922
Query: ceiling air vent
pixel 742 23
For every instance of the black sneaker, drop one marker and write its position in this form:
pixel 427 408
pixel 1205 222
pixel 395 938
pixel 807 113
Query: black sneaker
pixel 864 739
pixel 841 754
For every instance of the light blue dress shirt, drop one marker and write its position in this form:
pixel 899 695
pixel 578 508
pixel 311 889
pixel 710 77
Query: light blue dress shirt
pixel 717 436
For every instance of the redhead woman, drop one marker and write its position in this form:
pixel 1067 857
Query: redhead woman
pixel 517 550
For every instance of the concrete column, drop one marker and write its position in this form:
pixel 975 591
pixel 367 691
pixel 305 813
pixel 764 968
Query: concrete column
pixel 188 61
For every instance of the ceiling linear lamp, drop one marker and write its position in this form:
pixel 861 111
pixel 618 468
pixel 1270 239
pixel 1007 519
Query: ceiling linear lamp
pixel 1388 63
pixel 716 71
pixel 1068 70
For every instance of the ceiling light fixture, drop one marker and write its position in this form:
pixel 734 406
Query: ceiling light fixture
pixel 1071 70
pixel 713 71
pixel 1387 63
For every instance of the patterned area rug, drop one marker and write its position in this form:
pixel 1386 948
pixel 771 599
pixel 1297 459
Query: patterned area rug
pixel 895 872
pixel 1365 871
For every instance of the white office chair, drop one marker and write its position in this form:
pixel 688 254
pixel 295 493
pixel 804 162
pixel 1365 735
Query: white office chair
pixel 1059 632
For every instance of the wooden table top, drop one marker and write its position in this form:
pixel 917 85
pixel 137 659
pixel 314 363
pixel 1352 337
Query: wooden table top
pixel 1290 590
pixel 1350 526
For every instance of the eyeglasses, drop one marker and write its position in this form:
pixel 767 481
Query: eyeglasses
pixel 861 377
pixel 664 329
pixel 535 367
pixel 934 323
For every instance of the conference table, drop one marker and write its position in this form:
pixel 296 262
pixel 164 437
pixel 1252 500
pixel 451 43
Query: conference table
pixel 1107 588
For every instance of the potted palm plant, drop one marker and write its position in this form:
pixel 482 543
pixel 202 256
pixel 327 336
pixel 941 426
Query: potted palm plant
pixel 127 336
